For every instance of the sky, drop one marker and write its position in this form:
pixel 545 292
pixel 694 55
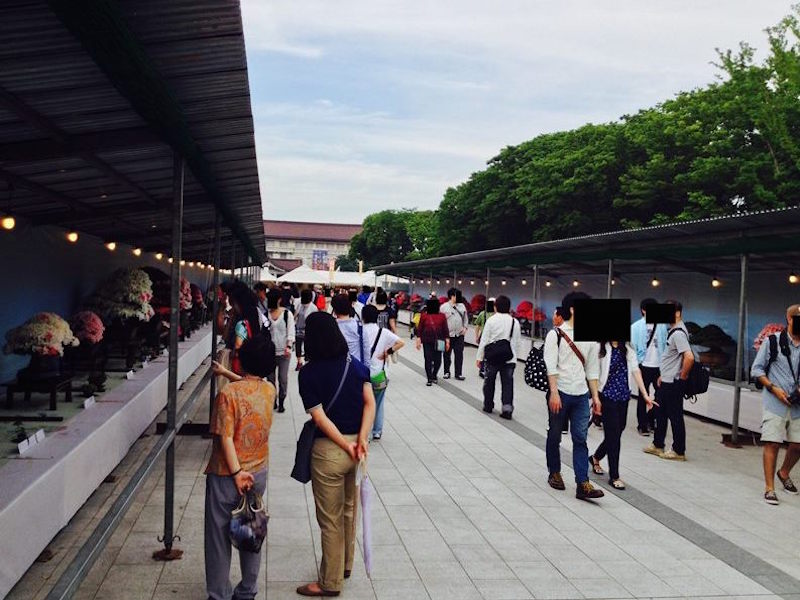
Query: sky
pixel 361 106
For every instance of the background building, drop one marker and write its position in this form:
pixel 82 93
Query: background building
pixel 314 244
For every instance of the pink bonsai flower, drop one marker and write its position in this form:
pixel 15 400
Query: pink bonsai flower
pixel 88 327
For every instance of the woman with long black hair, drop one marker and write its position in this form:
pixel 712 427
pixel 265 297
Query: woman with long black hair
pixel 342 440
pixel 619 378
pixel 247 324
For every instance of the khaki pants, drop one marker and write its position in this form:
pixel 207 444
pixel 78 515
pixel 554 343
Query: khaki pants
pixel 333 479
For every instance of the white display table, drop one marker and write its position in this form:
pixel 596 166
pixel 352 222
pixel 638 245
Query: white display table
pixel 42 490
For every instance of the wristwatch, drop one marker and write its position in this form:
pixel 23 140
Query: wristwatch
pixel 390 351
pixel 770 387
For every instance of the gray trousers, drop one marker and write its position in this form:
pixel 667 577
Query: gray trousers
pixel 221 499
pixel 282 366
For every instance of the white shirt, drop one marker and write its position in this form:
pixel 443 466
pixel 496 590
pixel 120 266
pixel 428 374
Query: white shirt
pixel 386 341
pixel 562 361
pixel 652 357
pixel 457 319
pixel 497 328
pixel 282 332
pixel 358 307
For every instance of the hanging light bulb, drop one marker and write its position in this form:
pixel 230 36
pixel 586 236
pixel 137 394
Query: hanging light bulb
pixel 8 222
pixel 459 282
pixel 472 282
pixel 137 251
pixel 524 282
pixel 446 281
pixel 72 237
pixel 191 263
pixel 613 282
pixel 169 260
pixel 183 262
pixel 438 282
pixel 485 282
pixel 503 282
pixel 793 278
pixel 548 283
pixel 655 282
pixel 715 283
pixel 575 283
pixel 111 246
pixel 159 256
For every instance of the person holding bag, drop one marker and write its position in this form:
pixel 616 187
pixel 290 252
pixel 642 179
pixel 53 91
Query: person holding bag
pixel 383 344
pixel 337 393
pixel 620 377
pixel 498 348
pixel 434 336
pixel 240 423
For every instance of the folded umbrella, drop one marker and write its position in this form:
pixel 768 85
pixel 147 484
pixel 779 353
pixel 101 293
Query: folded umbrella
pixel 367 494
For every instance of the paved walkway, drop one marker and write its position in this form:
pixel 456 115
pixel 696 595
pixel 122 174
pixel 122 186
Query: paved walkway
pixel 464 512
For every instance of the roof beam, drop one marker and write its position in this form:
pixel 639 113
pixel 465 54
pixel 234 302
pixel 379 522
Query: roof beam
pixel 688 266
pixel 94 143
pixel 62 139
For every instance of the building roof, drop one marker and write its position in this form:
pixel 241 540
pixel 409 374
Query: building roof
pixel 96 98
pixel 319 232
pixel 286 264
pixel 708 246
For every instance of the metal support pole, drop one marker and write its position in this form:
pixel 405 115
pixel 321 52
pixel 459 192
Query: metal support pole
pixel 455 278
pixel 488 274
pixel 610 277
pixel 174 323
pixel 431 284
pixel 737 390
pixel 215 309
pixel 535 298
pixel 233 259
pixel 411 286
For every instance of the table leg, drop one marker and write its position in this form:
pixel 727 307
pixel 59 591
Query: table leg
pixel 69 392
pixel 53 393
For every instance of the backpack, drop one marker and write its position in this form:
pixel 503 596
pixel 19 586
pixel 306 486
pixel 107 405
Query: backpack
pixel 500 352
pixel 536 370
pixel 384 317
pixel 698 379
pixel 781 339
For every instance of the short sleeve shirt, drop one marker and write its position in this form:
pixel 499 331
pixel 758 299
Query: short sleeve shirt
pixel 386 340
pixel 677 344
pixel 241 330
pixel 318 381
pixel 242 411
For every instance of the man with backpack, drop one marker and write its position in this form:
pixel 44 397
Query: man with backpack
pixel 457 321
pixel 776 369
pixel 573 371
pixel 282 331
pixel 671 386
pixel 498 347
pixel 387 316
pixel 649 341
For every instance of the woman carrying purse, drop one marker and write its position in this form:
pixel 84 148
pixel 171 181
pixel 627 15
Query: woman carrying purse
pixel 434 337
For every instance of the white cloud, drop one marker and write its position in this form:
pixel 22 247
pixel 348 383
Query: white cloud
pixel 372 104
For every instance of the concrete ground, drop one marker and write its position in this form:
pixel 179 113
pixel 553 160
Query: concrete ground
pixel 463 510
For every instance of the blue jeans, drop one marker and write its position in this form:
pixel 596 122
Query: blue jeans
pixel 377 426
pixel 574 409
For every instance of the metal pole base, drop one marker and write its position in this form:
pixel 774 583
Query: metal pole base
pixel 743 439
pixel 168 555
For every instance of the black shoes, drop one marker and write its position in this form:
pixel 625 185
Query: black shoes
pixel 460 377
pixel 447 375
pixel 281 409
pixel 429 383
pixel 487 410
pixel 505 415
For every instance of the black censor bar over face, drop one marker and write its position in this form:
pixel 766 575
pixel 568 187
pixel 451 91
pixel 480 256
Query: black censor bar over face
pixel 603 320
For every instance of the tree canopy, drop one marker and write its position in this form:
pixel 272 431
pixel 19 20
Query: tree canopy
pixel 731 146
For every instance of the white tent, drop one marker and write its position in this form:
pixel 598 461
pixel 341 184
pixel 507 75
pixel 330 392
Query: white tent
pixel 304 274
pixel 352 278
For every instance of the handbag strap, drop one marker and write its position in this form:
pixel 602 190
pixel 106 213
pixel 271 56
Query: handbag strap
pixel 572 345
pixel 652 335
pixel 375 345
pixel 341 385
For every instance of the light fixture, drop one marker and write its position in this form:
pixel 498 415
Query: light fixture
pixel 548 283
pixel 199 264
pixel 793 278
pixel 153 226
pixel 575 283
pixel 438 282
pixel 655 282
pixel 104 196
pixel 8 222
pixel 183 262
pixel 459 282
pixel 111 246
pixel 446 281
pixel 503 282
pixel 715 283
pixel 613 282
pixel 191 263
pixel 159 256
pixel 429 280
pixel 169 260
pixel 485 282
pixel 472 282
pixel 524 282
pixel 137 251
pixel 72 237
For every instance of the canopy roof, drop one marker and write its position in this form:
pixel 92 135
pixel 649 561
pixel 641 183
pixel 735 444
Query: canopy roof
pixel 304 274
pixel 711 246
pixel 95 99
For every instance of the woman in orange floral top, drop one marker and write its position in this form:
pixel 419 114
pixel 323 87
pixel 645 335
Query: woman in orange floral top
pixel 240 423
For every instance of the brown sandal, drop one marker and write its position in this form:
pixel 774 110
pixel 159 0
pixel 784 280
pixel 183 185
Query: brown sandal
pixel 596 468
pixel 305 590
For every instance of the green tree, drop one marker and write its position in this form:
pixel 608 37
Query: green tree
pixel 383 239
pixel 345 263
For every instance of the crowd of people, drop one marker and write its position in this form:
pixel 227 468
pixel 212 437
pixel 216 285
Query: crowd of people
pixel 343 342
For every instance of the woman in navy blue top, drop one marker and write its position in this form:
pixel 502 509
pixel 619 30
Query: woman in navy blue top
pixel 619 377
pixel 341 442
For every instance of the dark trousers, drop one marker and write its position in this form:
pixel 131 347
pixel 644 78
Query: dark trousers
pixel 670 397
pixel 457 348
pixel 298 346
pixel 506 384
pixel 574 409
pixel 647 420
pixel 433 360
pixel 615 417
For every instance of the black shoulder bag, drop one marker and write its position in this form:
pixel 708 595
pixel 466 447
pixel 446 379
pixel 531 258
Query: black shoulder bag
pixel 302 458
pixel 499 352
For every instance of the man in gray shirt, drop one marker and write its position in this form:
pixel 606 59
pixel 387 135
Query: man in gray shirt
pixel 676 362
pixel 779 373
